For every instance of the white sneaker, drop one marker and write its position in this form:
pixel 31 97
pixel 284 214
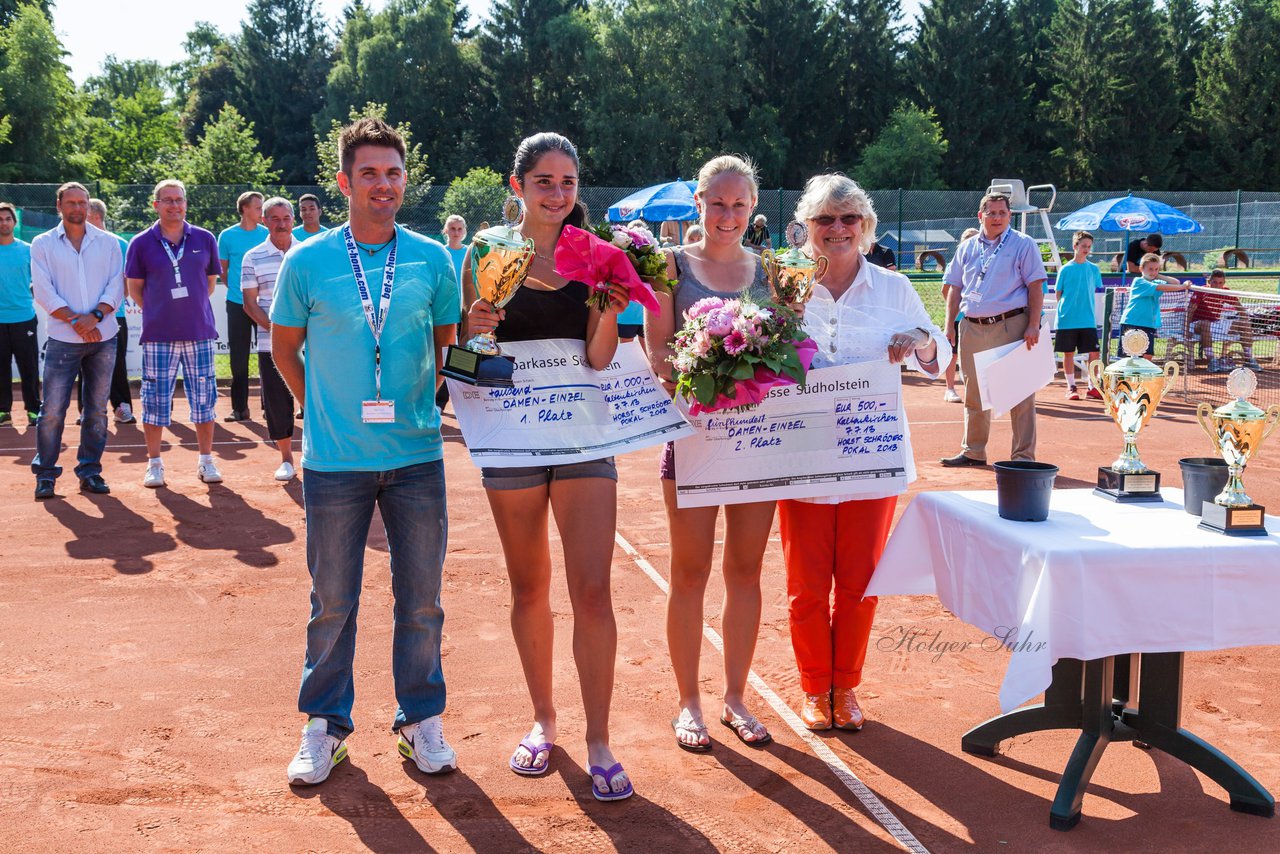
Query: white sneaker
pixel 950 396
pixel 208 472
pixel 424 743
pixel 124 414
pixel 285 472
pixel 317 755
pixel 154 478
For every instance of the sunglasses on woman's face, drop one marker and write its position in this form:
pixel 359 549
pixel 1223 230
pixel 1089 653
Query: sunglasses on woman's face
pixel 828 220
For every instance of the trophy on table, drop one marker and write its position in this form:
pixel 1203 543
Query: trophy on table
pixel 791 274
pixel 1237 430
pixel 500 259
pixel 1131 388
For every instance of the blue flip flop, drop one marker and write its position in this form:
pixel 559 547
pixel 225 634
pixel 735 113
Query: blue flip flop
pixel 608 775
pixel 533 769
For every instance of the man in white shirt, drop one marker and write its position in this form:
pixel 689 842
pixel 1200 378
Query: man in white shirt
pixel 77 274
pixel 258 284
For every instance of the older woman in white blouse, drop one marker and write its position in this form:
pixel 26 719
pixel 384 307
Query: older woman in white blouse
pixel 859 312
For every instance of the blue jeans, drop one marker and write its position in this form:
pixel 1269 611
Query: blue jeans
pixel 62 362
pixel 339 507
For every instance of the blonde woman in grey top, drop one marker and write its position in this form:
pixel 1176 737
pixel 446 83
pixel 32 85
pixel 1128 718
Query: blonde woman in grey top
pixel 717 265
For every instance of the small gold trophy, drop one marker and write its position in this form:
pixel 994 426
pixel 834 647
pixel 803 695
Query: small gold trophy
pixel 791 274
pixel 500 259
pixel 1132 388
pixel 1237 430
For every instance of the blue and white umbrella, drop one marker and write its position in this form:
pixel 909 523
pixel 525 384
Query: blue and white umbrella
pixel 1130 213
pixel 659 203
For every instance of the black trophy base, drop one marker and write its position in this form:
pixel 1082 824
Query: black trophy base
pixel 478 369
pixel 1140 488
pixel 1234 521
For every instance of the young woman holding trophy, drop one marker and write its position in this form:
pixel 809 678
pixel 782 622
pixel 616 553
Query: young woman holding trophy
pixel 717 265
pixel 858 312
pixel 582 496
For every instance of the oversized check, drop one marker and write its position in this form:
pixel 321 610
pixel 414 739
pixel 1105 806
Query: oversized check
pixel 841 433
pixel 561 410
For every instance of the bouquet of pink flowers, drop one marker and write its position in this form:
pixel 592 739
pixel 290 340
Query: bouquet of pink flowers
pixel 642 250
pixel 581 256
pixel 732 351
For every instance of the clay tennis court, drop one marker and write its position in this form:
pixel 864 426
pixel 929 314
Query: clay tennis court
pixel 151 646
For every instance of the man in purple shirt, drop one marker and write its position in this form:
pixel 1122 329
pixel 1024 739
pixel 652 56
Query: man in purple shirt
pixel 997 280
pixel 171 269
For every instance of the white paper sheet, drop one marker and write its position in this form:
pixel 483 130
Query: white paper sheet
pixel 1010 373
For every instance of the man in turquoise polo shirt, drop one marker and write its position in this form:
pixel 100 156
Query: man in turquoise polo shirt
pixel 309 213
pixel 233 243
pixel 374 304
pixel 17 320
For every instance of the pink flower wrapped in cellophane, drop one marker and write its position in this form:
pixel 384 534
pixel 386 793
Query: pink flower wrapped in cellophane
pixel 580 256
pixel 752 391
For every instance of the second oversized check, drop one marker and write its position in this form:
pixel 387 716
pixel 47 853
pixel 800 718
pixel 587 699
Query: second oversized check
pixel 841 433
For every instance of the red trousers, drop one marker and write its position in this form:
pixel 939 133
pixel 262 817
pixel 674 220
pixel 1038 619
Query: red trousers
pixel 825 545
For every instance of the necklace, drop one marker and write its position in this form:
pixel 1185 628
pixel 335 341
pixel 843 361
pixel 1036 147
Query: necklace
pixel 376 249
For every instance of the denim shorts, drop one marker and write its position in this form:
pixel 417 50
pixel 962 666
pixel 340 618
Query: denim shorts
pixel 526 477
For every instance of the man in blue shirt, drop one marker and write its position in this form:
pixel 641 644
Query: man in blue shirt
pixel 17 320
pixel 77 273
pixel 374 304
pixel 233 243
pixel 309 213
pixel 997 281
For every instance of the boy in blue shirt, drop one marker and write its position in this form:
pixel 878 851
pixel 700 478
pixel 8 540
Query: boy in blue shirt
pixel 1143 310
pixel 17 320
pixel 1077 283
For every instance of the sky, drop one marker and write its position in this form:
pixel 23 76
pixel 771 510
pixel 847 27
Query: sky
pixel 91 30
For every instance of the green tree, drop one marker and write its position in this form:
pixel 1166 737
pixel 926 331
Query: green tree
pixel 135 131
pixel 211 80
pixel 534 56
pixel 782 87
pixel 866 66
pixel 1032 47
pixel 281 62
pixel 908 153
pixel 962 67
pixel 408 56
pixel 9 9
pixel 418 179
pixel 660 109
pixel 227 153
pixel 1239 69
pixel 44 114
pixel 477 197
pixel 1082 100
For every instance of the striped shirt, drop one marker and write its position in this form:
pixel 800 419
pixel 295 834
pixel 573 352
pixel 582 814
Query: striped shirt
pixel 259 270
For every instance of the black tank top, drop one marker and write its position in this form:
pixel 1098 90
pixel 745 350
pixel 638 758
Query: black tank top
pixel 534 315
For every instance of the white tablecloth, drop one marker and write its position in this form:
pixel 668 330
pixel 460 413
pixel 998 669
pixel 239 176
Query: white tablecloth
pixel 1096 579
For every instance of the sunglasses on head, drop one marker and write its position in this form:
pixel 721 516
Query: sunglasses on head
pixel 828 219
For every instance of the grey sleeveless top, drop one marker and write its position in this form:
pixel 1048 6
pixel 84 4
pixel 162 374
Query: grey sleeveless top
pixel 690 289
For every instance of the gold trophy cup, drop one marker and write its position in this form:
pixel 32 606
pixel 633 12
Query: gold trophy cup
pixel 1237 430
pixel 500 259
pixel 1131 388
pixel 791 274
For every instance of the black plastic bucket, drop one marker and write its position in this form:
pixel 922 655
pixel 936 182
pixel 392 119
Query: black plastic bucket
pixel 1023 488
pixel 1202 479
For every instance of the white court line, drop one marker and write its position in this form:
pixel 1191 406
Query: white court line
pixel 868 798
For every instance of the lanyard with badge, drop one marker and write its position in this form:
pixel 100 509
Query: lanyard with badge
pixel 376 411
pixel 985 260
pixel 178 291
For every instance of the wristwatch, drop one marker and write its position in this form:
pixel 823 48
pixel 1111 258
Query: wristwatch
pixel 96 313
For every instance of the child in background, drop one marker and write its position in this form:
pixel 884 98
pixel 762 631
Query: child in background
pixel 1207 310
pixel 1077 283
pixel 1143 310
